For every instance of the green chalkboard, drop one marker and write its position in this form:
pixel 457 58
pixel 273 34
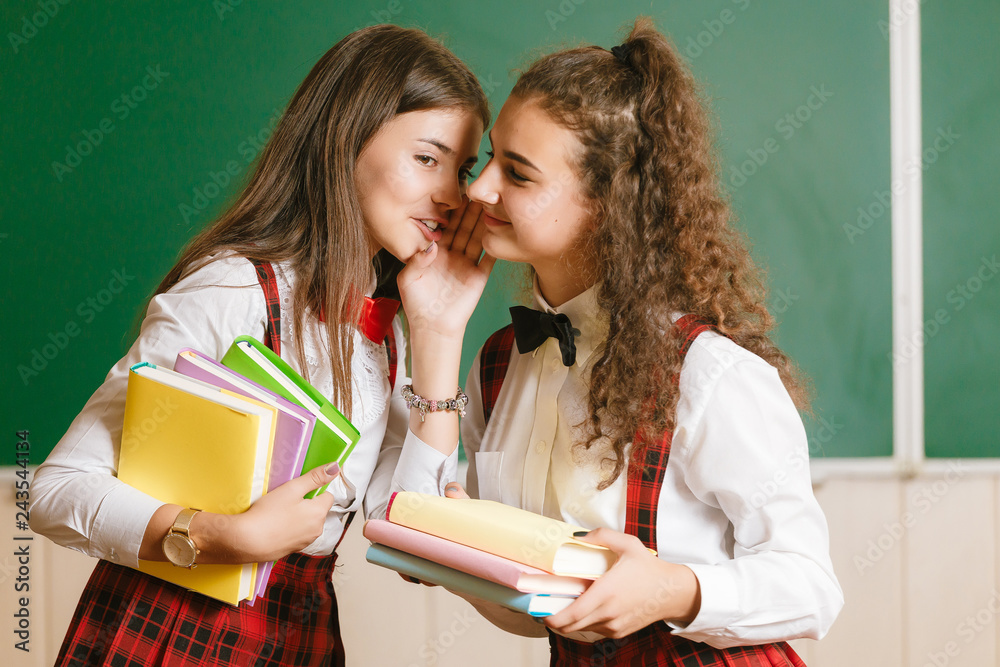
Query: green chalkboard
pixel 961 107
pixel 128 126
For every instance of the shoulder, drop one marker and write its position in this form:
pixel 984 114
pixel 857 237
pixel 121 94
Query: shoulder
pixel 223 270
pixel 221 292
pixel 713 362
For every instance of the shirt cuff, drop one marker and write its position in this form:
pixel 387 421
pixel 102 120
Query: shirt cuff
pixel 121 523
pixel 719 603
pixel 422 468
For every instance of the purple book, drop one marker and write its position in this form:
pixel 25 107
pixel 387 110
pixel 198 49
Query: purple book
pixel 291 435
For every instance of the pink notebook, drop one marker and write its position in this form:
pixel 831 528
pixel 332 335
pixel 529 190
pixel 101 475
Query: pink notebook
pixel 292 432
pixel 484 565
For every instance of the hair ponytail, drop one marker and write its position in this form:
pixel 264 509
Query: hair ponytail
pixel 663 245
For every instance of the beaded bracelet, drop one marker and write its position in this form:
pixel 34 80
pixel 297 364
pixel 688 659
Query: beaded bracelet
pixel 456 404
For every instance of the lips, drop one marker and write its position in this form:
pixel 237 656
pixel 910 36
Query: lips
pixel 492 221
pixel 431 228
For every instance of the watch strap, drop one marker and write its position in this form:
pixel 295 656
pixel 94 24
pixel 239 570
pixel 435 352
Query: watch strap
pixel 182 524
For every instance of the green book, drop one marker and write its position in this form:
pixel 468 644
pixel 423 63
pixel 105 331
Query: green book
pixel 333 437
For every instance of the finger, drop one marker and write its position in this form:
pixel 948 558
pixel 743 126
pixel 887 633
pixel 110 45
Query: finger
pixel 571 615
pixel 424 258
pixel 474 246
pixel 612 539
pixel 470 221
pixel 487 263
pixel 314 479
pixel 455 490
pixel 454 221
pixel 584 612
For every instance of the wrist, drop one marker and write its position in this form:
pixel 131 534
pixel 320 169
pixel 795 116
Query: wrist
pixel 221 538
pixel 685 602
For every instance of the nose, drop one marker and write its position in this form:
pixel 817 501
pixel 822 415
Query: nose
pixel 483 189
pixel 449 193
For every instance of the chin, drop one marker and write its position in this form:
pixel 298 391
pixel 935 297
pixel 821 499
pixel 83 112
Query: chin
pixel 499 249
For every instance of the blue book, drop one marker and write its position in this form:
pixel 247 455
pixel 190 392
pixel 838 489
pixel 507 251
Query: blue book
pixel 535 604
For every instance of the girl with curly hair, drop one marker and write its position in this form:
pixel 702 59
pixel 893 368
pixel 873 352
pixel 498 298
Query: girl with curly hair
pixel 645 399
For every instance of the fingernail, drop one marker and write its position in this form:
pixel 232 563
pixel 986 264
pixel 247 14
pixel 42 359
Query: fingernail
pixel 428 248
pixel 581 533
pixel 332 469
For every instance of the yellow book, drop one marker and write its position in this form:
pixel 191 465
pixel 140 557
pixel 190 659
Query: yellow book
pixel 502 530
pixel 193 444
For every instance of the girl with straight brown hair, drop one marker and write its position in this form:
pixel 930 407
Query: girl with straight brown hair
pixel 366 171
pixel 645 399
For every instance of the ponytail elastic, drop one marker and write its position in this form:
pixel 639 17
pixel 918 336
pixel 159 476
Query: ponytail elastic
pixel 622 52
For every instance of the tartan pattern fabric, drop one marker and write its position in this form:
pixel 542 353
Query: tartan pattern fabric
pixel 644 483
pixel 265 276
pixel 654 645
pixel 272 337
pixel 493 362
pixel 129 619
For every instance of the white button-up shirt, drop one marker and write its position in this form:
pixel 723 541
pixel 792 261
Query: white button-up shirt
pixel 79 503
pixel 736 505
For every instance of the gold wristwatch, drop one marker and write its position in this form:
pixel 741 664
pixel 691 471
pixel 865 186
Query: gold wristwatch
pixel 178 546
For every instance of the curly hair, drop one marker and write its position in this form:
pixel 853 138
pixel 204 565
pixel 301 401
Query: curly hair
pixel 663 244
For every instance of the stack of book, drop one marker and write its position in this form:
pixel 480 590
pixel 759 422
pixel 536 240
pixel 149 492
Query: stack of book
pixel 218 436
pixel 495 552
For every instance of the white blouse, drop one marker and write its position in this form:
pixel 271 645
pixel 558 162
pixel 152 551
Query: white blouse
pixel 79 503
pixel 736 505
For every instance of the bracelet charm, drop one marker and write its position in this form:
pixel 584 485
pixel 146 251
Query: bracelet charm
pixel 424 405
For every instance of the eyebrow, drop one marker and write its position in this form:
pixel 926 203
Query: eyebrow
pixel 434 142
pixel 517 157
pixel 448 150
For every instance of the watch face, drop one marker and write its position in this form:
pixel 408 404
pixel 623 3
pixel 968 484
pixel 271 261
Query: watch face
pixel 179 550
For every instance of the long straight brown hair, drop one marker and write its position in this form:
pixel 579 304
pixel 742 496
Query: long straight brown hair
pixel 300 204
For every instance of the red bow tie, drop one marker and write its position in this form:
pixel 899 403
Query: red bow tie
pixel 376 318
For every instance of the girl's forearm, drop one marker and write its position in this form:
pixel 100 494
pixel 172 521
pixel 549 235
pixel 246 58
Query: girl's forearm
pixel 435 367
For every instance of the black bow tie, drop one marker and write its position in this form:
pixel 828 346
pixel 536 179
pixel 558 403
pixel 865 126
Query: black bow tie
pixel 533 327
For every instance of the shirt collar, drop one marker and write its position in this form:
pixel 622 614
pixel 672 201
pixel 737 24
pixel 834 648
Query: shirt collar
pixel 585 315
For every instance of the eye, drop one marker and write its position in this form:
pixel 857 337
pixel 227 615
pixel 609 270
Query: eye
pixel 426 160
pixel 516 177
pixel 463 175
pixel 489 154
